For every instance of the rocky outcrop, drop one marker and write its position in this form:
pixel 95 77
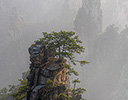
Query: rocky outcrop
pixel 45 67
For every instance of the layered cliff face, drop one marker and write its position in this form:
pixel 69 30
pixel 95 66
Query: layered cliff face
pixel 45 68
pixel 88 22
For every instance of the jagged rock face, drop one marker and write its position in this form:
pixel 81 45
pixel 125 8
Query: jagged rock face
pixel 88 22
pixel 42 68
pixel 36 54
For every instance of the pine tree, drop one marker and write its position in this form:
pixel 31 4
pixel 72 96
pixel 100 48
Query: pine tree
pixel 66 44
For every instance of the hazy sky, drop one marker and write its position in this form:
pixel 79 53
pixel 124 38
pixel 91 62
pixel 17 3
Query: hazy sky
pixel 23 21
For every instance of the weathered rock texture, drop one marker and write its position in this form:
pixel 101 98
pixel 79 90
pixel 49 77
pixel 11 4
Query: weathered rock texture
pixel 45 66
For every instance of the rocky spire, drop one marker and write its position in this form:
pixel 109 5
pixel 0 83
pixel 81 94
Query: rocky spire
pixel 88 22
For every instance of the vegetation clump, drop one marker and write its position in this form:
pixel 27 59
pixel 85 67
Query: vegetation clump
pixel 62 45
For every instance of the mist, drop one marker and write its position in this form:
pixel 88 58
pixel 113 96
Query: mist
pixel 100 24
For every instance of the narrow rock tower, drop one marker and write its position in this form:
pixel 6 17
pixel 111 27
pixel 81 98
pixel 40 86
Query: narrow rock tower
pixel 47 76
pixel 88 22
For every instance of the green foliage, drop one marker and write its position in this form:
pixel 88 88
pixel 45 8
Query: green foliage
pixel 76 81
pixel 3 94
pixel 18 92
pixel 62 96
pixel 65 43
pixel 21 91
pixel 71 70
pixel 76 93
pixel 49 83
